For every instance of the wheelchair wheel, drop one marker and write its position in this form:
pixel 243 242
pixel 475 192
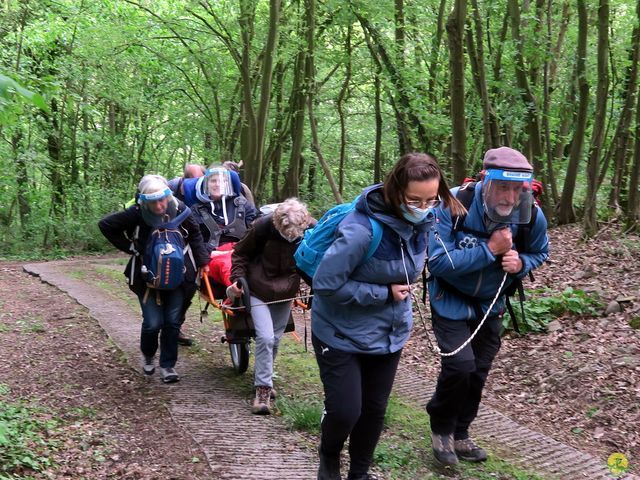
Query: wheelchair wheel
pixel 239 356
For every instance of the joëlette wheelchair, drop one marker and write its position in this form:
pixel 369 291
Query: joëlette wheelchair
pixel 236 316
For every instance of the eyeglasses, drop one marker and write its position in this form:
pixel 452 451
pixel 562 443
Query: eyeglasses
pixel 432 203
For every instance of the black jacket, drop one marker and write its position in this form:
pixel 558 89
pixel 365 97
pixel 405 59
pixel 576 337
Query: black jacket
pixel 119 229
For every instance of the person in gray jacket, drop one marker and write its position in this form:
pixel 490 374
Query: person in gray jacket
pixel 361 312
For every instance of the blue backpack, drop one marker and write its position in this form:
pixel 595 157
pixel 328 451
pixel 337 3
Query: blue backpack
pixel 163 264
pixel 317 240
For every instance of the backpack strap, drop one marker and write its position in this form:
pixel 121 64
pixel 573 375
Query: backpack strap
pixel 376 230
pixel 465 196
pixel 177 221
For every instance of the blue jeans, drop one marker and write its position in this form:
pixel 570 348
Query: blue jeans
pixel 163 319
pixel 269 322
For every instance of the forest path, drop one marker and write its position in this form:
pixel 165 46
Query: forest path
pixel 207 405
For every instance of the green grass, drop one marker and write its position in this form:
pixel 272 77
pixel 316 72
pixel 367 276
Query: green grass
pixel 404 449
pixel 25 440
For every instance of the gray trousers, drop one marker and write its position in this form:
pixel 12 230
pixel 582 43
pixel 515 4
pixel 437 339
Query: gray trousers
pixel 269 322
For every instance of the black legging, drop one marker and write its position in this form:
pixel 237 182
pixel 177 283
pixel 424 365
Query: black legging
pixel 356 391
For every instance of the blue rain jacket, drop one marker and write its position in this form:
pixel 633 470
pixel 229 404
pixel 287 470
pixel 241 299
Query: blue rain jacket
pixel 471 267
pixel 352 310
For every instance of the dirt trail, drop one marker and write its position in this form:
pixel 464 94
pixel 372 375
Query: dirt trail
pixel 207 405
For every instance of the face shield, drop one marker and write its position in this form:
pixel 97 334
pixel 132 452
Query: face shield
pixel 150 201
pixel 507 197
pixel 216 184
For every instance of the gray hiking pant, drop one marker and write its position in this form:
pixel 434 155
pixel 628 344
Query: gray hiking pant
pixel 269 322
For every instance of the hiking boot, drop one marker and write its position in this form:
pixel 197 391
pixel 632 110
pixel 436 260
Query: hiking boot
pixel 329 468
pixel 169 375
pixel 261 404
pixel 468 450
pixel 273 394
pixel 184 341
pixel 362 476
pixel 443 449
pixel 148 365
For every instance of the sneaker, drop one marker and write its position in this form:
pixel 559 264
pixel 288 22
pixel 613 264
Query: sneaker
pixel 443 449
pixel 184 341
pixel 468 450
pixel 148 365
pixel 261 404
pixel 169 375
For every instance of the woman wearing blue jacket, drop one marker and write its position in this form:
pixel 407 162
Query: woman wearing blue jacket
pixel 362 315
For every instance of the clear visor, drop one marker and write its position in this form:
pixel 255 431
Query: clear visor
pixel 507 196
pixel 217 183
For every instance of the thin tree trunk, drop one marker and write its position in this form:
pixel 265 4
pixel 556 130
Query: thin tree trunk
pixel 455 31
pixel 491 132
pixel 632 212
pixel 377 159
pixel 265 91
pixel 590 221
pixel 434 60
pixel 620 146
pixel 566 213
pixel 344 91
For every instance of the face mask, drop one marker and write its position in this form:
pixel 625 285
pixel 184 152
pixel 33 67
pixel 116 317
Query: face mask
pixel 414 214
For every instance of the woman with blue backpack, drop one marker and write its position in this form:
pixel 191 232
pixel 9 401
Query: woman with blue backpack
pixel 166 250
pixel 362 307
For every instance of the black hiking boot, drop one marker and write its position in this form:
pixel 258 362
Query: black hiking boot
pixel 184 341
pixel 468 450
pixel 443 449
pixel 362 476
pixel 329 468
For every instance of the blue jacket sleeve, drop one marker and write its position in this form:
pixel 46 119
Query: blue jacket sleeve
pixel 446 259
pixel 333 276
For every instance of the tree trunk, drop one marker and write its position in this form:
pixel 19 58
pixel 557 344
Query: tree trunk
pixel 566 213
pixel 490 128
pixel 455 31
pixel 377 159
pixel 249 134
pixel 265 92
pixel 620 146
pixel 590 221
pixel 434 60
pixel 344 91
pixel 632 212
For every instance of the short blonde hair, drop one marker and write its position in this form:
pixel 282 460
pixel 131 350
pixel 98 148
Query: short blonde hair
pixel 291 218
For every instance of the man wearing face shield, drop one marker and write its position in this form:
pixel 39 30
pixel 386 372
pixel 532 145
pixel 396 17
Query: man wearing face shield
pixel 468 259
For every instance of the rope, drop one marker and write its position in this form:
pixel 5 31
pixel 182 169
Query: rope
pixel 436 348
pixel 300 297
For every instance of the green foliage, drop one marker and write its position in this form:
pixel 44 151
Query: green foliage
pixel 542 306
pixel 301 414
pixel 24 437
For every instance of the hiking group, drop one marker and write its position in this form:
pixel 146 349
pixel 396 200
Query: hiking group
pixel 477 241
